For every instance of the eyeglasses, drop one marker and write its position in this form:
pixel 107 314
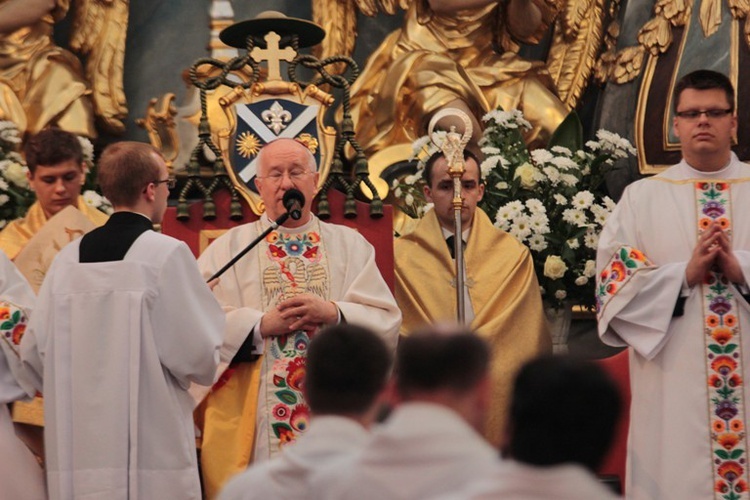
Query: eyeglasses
pixel 694 114
pixel 171 182
pixel 276 176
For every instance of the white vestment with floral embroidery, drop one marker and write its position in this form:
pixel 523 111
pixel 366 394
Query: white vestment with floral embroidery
pixel 21 477
pixel 328 260
pixel 670 450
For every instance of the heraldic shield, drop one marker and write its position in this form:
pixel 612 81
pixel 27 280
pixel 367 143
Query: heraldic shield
pixel 268 112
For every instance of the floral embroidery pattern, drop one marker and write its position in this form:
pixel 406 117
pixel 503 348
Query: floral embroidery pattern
pixel 292 264
pixel 621 267
pixel 12 325
pixel 723 359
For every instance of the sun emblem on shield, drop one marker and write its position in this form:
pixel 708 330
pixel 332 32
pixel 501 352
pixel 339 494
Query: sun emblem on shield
pixel 248 145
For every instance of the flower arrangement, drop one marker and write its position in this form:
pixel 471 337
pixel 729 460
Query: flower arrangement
pixel 552 200
pixel 15 195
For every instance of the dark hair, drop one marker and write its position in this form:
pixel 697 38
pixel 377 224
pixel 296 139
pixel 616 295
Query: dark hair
pixel 125 168
pixel 431 360
pixel 347 367
pixel 703 79
pixel 52 146
pixel 427 172
pixel 562 410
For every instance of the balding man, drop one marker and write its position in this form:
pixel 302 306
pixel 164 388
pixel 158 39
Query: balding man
pixel 304 275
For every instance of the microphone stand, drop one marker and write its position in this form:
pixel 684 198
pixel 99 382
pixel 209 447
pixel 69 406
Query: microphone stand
pixel 274 225
pixel 452 147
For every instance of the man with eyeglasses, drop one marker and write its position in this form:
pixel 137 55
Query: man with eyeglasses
pixel 673 262
pixel 123 324
pixel 301 277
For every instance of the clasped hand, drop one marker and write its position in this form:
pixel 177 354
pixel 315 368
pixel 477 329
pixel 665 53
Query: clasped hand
pixel 713 249
pixel 301 312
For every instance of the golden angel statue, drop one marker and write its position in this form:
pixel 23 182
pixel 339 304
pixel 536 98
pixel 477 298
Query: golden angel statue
pixel 43 84
pixel 464 54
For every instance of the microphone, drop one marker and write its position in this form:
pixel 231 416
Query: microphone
pixel 293 202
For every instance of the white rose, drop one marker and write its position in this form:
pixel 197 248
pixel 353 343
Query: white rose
pixel 554 267
pixel 526 173
pixel 561 294
pixel 16 173
pixel 581 280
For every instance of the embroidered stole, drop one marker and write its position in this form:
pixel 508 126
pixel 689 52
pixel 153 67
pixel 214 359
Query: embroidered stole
pixel 723 357
pixel 291 264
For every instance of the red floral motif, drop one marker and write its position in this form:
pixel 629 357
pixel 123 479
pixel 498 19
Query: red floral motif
pixel 286 436
pixel 704 223
pixel 18 332
pixel 722 335
pixel 715 381
pixel 712 321
pixel 736 425
pixel 280 412
pixel 731 470
pixel 723 365
pixel 721 486
pixel 276 252
pixel 300 418
pixel 735 380
pixel 311 253
pixel 296 373
pixel 618 271
pixel 740 486
pixel 4 313
pixel 730 320
pixel 728 440
pixel 718 426
pixel 723 223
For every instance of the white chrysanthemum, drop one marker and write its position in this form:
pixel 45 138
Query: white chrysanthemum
pixel 539 223
pixel 16 173
pixel 88 150
pixel 593 145
pixel 552 174
pixel 609 203
pixel 521 228
pixel 561 294
pixel 502 185
pixel 409 199
pixel 535 205
pixel 541 156
pixel 515 206
pixel 4 198
pixel 419 145
pixel 9 132
pixel 600 214
pixel 537 243
pixel 491 150
pixel 591 239
pixel 581 280
pixel 504 217
pixel 425 208
pixel 561 150
pixel 92 198
pixel 573 243
pixel 560 199
pixel 613 141
pixel 564 163
pixel 3 184
pixel 589 269
pixel 575 217
pixel 569 180
pixel 582 200
pixel 397 192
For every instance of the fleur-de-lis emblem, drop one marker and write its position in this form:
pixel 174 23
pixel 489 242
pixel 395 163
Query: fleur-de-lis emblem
pixel 276 117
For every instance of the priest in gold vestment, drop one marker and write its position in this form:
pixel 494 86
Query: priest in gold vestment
pixel 503 302
pixel 56 174
pixel 445 56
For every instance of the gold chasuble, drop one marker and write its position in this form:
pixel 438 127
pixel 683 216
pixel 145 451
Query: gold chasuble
pixel 503 290
pixel 17 233
pixel 14 238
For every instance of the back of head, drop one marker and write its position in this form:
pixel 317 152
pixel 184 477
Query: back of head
pixel 704 79
pixel 50 147
pixel 440 359
pixel 347 368
pixel 563 411
pixel 124 169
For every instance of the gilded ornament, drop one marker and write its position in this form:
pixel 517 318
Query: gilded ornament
pixel 248 144
pixel 309 141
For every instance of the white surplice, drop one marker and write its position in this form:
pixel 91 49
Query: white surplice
pixel 117 345
pixel 422 451
pixel 669 451
pixel 286 477
pixel 21 476
pixel 519 481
